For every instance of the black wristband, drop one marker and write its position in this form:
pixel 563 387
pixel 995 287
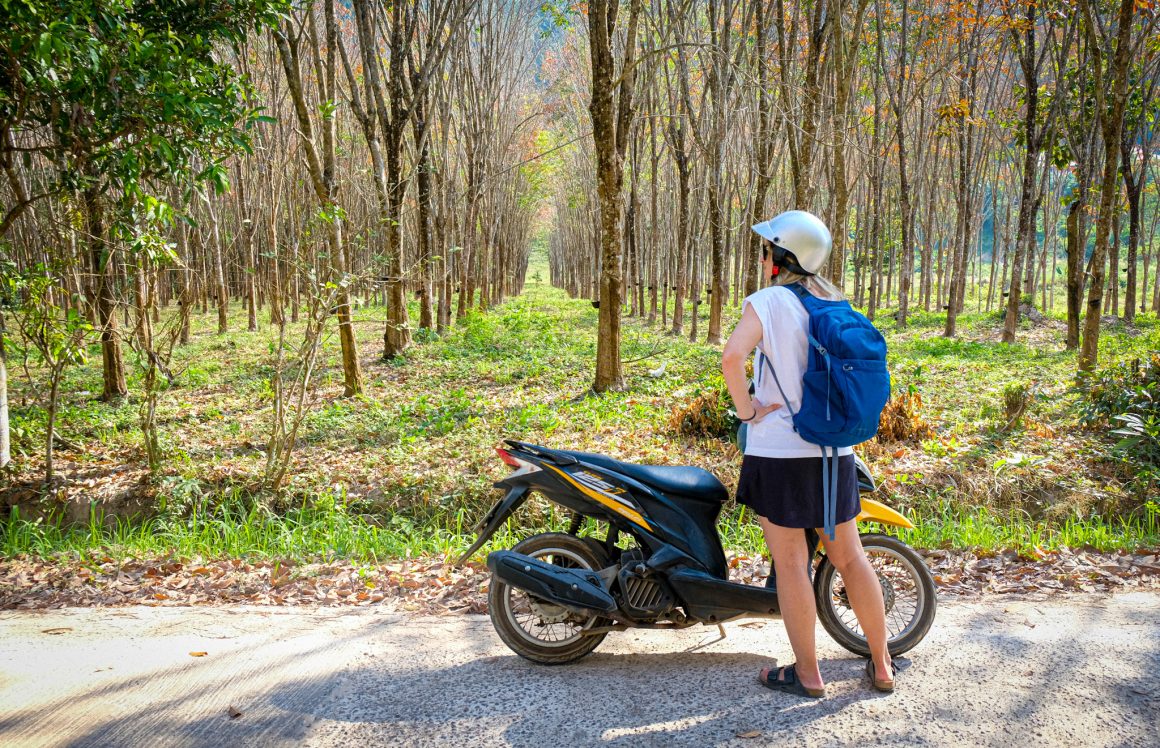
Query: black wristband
pixel 747 420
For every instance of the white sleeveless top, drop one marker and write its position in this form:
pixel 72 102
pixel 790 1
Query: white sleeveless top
pixel 784 324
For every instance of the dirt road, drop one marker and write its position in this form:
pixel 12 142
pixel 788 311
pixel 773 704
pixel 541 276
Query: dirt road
pixel 1074 670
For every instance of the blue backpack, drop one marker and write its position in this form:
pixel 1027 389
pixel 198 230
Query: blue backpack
pixel 845 386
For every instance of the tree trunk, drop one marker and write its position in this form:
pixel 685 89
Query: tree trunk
pixel 963 198
pixel 844 52
pixel 610 126
pixel 322 177
pixel 423 216
pixel 101 296
pixel 1133 187
pixel 221 292
pixel 250 269
pixel 898 103
pixel 1112 299
pixel 5 434
pixel 1112 122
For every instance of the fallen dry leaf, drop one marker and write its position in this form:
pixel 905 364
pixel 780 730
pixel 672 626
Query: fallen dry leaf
pixel 433 586
pixel 57 631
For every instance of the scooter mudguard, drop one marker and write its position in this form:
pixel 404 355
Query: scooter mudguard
pixel 499 513
pixel 575 589
pixel 872 511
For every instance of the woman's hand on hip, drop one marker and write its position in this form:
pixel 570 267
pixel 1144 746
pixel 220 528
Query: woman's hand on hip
pixel 761 410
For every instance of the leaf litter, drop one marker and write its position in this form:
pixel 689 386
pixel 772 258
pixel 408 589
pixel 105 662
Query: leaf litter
pixel 435 585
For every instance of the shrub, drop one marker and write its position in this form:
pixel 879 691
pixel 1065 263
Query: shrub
pixel 902 420
pixel 1016 400
pixel 1127 395
pixel 1128 387
pixel 709 413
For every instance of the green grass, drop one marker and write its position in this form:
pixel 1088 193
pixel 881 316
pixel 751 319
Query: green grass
pixel 979 528
pixel 328 533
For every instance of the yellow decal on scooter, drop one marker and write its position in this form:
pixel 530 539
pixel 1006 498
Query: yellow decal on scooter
pixel 608 501
pixel 594 481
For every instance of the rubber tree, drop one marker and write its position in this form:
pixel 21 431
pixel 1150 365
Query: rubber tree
pixel 5 432
pixel 396 92
pixel 1033 28
pixel 320 163
pixel 611 120
pixel 1112 48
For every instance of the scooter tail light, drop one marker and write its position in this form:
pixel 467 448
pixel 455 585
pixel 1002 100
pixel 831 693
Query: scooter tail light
pixel 506 456
pixel 522 467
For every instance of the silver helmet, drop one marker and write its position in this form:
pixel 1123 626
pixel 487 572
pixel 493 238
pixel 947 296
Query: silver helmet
pixel 801 242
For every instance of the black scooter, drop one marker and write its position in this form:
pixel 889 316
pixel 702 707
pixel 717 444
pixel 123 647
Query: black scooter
pixel 555 596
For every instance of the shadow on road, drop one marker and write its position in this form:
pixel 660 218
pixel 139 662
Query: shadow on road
pixel 610 699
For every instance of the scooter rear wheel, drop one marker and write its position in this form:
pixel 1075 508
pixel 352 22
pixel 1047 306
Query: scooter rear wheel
pixel 536 629
pixel 907 589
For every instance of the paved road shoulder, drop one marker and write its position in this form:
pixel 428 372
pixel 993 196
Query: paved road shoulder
pixel 1078 669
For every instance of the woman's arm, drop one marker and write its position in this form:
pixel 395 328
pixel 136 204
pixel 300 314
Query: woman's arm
pixel 744 339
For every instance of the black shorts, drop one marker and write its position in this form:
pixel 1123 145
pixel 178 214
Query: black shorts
pixel 787 491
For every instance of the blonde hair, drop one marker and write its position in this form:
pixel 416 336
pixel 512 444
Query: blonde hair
pixel 815 284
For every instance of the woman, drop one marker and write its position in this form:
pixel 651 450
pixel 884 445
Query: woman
pixel 781 473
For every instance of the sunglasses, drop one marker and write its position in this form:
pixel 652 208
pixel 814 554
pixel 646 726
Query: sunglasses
pixel 782 257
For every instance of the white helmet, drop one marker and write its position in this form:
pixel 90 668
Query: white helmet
pixel 801 242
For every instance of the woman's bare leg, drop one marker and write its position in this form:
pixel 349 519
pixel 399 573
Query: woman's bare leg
pixel 796 597
pixel 863 589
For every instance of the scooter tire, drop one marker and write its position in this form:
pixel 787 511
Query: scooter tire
pixel 915 576
pixel 581 553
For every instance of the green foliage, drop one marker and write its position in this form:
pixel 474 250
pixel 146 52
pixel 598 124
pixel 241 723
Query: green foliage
pixel 556 14
pixel 119 94
pixel 1140 444
pixel 1128 393
pixel 1016 399
pixel 1127 387
pixel 439 414
pixel 56 334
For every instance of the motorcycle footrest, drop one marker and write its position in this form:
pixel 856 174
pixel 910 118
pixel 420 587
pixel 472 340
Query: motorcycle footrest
pixel 574 589
pixel 712 599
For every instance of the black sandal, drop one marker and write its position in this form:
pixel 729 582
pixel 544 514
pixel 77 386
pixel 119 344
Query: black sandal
pixel 790 684
pixel 886 686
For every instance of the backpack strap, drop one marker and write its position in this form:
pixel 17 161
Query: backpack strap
pixel 829 490
pixel 829 465
pixel 799 290
pixel 829 454
pixel 784 399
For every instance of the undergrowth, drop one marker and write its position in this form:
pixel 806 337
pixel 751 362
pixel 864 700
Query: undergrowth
pixel 324 534
pixel 984 444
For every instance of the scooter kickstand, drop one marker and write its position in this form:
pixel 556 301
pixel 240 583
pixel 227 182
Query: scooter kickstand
pixel 706 642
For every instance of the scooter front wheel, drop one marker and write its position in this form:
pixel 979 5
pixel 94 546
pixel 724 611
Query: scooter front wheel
pixel 908 594
pixel 534 628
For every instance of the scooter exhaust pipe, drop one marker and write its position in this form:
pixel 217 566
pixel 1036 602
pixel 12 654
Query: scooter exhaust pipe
pixel 577 590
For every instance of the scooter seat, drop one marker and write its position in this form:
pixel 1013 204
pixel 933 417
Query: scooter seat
pixel 690 482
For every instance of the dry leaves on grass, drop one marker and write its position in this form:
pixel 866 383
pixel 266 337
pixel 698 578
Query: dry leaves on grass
pixel 435 586
pixel 969 573
pixel 427 585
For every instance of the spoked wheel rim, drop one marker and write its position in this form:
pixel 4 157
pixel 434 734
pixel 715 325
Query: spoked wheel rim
pixel 540 622
pixel 902 594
